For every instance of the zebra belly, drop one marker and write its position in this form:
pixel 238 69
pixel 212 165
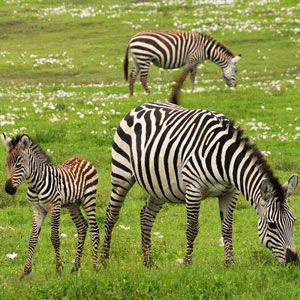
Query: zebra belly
pixel 164 193
pixel 167 64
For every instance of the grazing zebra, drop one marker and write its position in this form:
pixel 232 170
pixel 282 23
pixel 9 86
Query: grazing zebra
pixel 184 156
pixel 175 49
pixel 72 184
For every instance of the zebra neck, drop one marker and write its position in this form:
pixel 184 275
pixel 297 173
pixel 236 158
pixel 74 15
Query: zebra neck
pixel 246 170
pixel 41 174
pixel 220 60
pixel 248 178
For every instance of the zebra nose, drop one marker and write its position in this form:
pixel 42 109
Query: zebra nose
pixel 9 188
pixel 291 256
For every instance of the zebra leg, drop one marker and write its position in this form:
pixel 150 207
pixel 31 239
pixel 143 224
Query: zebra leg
pixel 145 84
pixel 89 207
pixel 81 225
pixel 193 76
pixel 118 194
pixel 178 85
pixel 148 214
pixel 55 218
pixel 38 219
pixel 144 76
pixel 134 73
pixel 132 78
pixel 227 203
pixel 192 211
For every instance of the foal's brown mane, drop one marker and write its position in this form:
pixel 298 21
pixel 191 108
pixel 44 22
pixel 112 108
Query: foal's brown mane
pixel 35 147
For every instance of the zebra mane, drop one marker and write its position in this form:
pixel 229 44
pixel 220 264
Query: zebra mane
pixel 256 153
pixel 36 149
pixel 221 45
pixel 232 129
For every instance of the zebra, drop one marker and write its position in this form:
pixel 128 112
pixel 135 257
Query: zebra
pixel 51 187
pixel 185 156
pixel 175 49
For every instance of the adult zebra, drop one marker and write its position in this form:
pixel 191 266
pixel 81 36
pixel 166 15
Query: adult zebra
pixel 72 184
pixel 175 49
pixel 184 156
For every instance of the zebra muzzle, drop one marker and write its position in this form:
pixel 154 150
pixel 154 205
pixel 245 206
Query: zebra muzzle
pixel 291 256
pixel 9 188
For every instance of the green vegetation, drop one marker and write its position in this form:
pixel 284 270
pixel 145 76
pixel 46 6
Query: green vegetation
pixel 61 82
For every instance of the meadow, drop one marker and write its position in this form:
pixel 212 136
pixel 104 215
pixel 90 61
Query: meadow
pixel 61 82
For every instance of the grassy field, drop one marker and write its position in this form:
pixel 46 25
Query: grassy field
pixel 61 82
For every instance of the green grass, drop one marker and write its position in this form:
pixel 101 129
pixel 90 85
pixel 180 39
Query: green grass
pixel 73 105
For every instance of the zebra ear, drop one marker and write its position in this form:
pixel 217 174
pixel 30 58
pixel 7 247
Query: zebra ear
pixel 265 191
pixel 236 59
pixel 6 140
pixel 290 186
pixel 24 142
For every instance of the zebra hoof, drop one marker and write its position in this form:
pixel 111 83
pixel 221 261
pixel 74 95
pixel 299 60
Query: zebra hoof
pixel 103 260
pixel 25 275
pixel 150 264
pixel 75 268
pixel 229 262
pixel 59 270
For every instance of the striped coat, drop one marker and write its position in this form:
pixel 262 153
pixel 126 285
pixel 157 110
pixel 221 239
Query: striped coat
pixel 50 187
pixel 175 49
pixel 184 156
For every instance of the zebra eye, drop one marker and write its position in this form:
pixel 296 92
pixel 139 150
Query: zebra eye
pixel 272 225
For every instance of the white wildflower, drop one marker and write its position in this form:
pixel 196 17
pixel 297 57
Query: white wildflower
pixel 158 235
pixel 221 242
pixel 124 227
pixel 11 256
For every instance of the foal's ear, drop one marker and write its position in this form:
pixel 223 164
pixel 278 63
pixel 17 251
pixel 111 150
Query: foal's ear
pixel 6 140
pixel 24 142
pixel 291 185
pixel 236 58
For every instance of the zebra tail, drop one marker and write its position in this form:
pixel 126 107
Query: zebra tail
pixel 125 64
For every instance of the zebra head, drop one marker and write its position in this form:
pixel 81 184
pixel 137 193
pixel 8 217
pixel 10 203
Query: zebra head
pixel 229 71
pixel 17 161
pixel 276 220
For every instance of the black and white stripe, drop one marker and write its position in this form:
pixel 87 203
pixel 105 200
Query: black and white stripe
pixel 175 49
pixel 184 156
pixel 72 184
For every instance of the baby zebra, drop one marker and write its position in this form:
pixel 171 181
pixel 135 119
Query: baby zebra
pixel 50 188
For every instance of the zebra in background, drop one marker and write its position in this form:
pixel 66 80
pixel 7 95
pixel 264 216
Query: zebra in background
pixel 72 184
pixel 185 156
pixel 175 49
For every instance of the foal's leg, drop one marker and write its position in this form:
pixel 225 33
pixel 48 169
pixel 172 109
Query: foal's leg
pixel 81 225
pixel 55 211
pixel 89 207
pixel 38 219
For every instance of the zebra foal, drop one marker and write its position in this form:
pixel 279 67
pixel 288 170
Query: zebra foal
pixel 175 49
pixel 185 156
pixel 51 187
